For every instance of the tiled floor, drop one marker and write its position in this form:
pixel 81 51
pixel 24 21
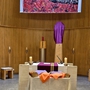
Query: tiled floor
pixel 9 84
pixel 12 84
pixel 83 83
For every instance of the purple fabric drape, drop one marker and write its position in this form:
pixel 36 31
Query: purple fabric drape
pixel 47 67
pixel 58 32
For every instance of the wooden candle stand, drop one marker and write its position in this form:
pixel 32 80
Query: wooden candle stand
pixel 58 53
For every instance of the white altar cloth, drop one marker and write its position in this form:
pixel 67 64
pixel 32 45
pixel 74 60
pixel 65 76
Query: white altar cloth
pixel 52 84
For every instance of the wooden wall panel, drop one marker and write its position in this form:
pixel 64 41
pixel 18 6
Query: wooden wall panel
pixel 21 30
pixel 32 40
pixel 8 33
pixel 12 17
pixel 1 13
pixel 79 39
pixel 86 14
pixel 11 37
pixel 50 50
pixel 16 47
pixel 89 14
pixel 2 63
pixel 68 45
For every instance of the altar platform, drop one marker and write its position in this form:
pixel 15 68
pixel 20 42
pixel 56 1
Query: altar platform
pixel 28 83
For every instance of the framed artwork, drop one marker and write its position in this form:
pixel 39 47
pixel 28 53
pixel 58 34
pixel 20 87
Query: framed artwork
pixel 50 6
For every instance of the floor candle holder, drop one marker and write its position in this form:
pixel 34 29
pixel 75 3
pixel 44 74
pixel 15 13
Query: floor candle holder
pixel 26 53
pixel 9 52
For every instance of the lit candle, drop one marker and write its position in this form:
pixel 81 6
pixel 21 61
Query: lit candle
pixel 9 48
pixel 65 60
pixel 73 49
pixel 26 48
pixel 30 59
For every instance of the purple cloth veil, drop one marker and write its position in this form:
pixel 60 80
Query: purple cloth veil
pixel 58 32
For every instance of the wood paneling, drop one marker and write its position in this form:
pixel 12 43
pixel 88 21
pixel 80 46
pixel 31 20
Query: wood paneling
pixel 10 16
pixel 79 40
pixel 21 30
pixel 2 61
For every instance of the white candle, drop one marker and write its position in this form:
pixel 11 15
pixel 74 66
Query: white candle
pixel 73 49
pixel 9 48
pixel 65 60
pixel 30 59
pixel 26 48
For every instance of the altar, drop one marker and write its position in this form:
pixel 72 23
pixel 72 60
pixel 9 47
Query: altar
pixel 51 84
pixel 28 83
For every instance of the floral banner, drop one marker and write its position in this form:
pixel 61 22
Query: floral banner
pixel 50 6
